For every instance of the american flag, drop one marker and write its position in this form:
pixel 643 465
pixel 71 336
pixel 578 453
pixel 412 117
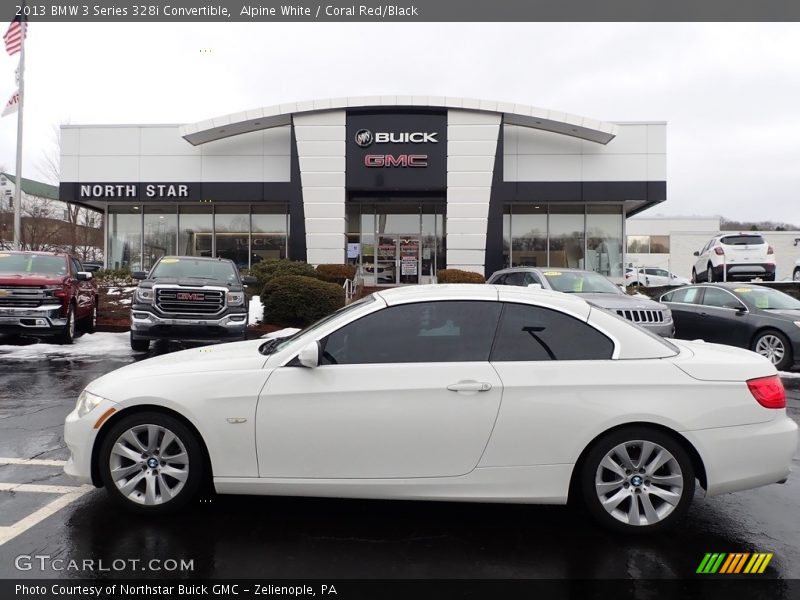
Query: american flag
pixel 14 36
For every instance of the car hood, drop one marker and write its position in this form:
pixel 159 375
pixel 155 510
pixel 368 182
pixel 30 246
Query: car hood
pixel 190 282
pixel 235 356
pixel 28 279
pixel 621 301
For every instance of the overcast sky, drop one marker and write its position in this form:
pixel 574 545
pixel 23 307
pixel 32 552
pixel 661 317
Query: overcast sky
pixel 729 92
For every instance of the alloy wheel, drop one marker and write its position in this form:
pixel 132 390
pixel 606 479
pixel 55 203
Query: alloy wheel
pixel 710 275
pixel 639 483
pixel 149 464
pixel 771 347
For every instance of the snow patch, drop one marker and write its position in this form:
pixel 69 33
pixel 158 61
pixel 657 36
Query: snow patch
pixel 256 311
pixel 95 347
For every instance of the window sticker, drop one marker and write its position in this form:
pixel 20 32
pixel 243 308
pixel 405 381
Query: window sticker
pixel 762 302
pixel 552 273
pixel 743 290
pixel 4 255
pixel 169 260
pixel 577 286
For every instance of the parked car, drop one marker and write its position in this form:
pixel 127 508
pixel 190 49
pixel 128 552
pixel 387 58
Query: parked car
pixel 92 266
pixel 595 289
pixel 652 277
pixel 191 299
pixel 46 294
pixel 398 396
pixel 734 256
pixel 745 315
pixel 796 272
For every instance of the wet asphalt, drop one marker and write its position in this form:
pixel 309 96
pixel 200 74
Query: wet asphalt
pixel 241 537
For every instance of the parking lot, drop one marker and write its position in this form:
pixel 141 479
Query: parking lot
pixel 45 513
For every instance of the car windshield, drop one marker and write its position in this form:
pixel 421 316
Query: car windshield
pixel 767 298
pixel 276 345
pixel 40 264
pixel 580 282
pixel 194 268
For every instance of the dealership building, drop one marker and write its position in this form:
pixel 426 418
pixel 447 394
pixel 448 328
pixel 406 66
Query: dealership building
pixel 400 185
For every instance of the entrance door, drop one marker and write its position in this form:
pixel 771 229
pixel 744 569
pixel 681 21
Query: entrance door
pixel 397 260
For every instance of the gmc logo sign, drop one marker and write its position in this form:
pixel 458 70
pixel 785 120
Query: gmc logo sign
pixel 400 160
pixel 192 296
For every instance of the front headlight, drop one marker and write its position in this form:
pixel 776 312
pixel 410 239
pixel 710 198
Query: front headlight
pixel 667 315
pixel 235 298
pixel 797 323
pixel 87 402
pixel 144 295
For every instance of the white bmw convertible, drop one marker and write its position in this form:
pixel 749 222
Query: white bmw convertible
pixel 476 393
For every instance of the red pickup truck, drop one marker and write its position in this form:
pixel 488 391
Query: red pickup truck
pixel 46 294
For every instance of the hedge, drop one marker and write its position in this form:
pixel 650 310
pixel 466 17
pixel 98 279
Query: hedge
pixel 297 301
pixel 336 273
pixel 266 270
pixel 114 278
pixel 459 276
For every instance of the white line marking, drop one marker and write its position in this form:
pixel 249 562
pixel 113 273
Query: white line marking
pixel 34 487
pixel 9 533
pixel 37 462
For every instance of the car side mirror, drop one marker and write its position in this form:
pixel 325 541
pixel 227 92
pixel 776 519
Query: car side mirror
pixel 309 356
pixel 697 253
pixel 740 310
pixel 83 276
pixel 139 275
pixel 249 280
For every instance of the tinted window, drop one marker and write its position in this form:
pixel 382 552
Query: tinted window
pixel 534 333
pixel 499 280
pixel 515 279
pixel 454 331
pixel 720 298
pixel 741 240
pixel 76 266
pixel 685 296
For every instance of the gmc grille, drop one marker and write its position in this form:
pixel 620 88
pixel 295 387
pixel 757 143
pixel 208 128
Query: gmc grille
pixel 642 316
pixel 21 297
pixel 190 301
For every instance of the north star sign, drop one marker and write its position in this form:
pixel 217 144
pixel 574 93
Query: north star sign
pixel 131 190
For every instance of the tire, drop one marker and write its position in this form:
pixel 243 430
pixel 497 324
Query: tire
pixel 694 276
pixel 67 335
pixel 796 275
pixel 90 323
pixel 775 347
pixel 710 274
pixel 609 493
pixel 145 477
pixel 139 345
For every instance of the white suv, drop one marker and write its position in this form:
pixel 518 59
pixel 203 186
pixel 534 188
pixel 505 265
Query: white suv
pixel 732 256
pixel 652 277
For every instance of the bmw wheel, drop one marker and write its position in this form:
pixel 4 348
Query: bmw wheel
pixel 151 463
pixel 637 480
pixel 774 346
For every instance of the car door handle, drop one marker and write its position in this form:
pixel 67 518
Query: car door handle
pixel 470 386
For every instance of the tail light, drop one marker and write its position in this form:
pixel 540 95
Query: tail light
pixel 719 251
pixel 770 250
pixel 768 391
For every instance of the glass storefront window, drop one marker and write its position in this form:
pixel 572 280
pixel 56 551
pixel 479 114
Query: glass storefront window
pixel 567 223
pixel 125 237
pixel 231 233
pixel 648 244
pixel 604 239
pixel 270 227
pixel 195 230
pixel 528 224
pixel 160 229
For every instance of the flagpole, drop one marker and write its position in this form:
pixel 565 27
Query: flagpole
pixel 18 186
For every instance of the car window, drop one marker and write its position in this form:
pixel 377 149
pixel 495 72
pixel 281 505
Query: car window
pixel 767 298
pixel 741 240
pixel 517 278
pixel 720 298
pixel 445 331
pixel 684 296
pixel 530 278
pixel 534 333
pixel 76 266
pixel 499 280
pixel 657 272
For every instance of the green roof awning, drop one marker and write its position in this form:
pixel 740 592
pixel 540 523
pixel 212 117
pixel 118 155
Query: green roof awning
pixel 35 188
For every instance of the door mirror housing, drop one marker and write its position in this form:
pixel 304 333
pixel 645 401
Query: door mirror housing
pixel 139 275
pixel 83 276
pixel 697 253
pixel 249 280
pixel 740 310
pixel 309 356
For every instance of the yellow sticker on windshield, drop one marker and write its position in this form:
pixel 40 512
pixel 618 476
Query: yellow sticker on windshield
pixel 552 273
pixel 169 260
pixel 743 290
pixel 577 287
pixel 4 255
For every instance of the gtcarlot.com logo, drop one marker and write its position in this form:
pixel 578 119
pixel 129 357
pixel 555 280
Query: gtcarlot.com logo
pixel 734 563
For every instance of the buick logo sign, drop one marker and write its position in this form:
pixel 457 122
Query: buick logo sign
pixel 364 138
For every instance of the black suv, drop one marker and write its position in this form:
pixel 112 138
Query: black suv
pixel 191 299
